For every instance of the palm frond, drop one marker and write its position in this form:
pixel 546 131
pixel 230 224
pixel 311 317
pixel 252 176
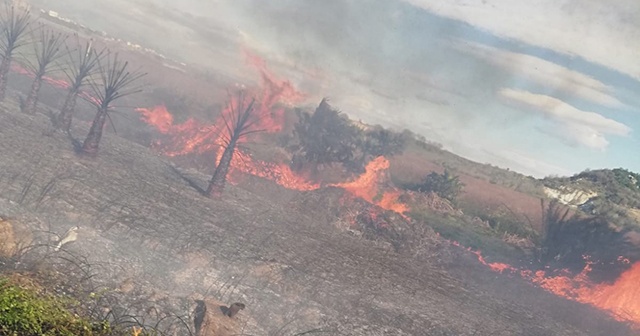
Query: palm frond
pixel 14 24
pixel 114 80
pixel 47 51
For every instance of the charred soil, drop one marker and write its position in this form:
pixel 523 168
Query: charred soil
pixel 155 246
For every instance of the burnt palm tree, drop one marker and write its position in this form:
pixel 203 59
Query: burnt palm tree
pixel 239 121
pixel 115 81
pixel 14 24
pixel 47 51
pixel 81 66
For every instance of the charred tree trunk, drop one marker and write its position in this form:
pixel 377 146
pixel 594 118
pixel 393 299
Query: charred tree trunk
pixel 92 142
pixel 63 121
pixel 4 74
pixel 32 99
pixel 219 178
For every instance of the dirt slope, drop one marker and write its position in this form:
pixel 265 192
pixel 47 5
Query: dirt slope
pixel 146 232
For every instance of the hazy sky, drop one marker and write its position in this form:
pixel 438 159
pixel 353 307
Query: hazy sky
pixel 540 86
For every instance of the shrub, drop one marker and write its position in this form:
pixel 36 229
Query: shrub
pixel 445 185
pixel 24 312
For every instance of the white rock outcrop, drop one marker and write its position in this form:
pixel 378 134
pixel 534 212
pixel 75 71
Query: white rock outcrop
pixel 569 196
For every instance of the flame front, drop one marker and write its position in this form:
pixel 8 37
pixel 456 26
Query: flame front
pixel 366 186
pixel 275 91
pixel 193 137
pixel 621 298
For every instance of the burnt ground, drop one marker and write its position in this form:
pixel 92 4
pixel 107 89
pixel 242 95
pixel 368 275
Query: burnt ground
pixel 153 245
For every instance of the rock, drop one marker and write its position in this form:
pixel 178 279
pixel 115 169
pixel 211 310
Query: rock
pixel 13 237
pixel 210 319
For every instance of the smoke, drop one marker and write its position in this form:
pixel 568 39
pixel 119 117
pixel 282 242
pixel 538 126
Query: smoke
pixel 385 62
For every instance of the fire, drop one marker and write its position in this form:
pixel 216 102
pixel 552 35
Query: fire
pixel 185 138
pixel 390 201
pixel 279 173
pixel 621 298
pixel 366 186
pixel 58 83
pixel 274 91
pixel 193 137
pixel 159 117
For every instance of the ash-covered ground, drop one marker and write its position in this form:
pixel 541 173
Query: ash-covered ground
pixel 152 246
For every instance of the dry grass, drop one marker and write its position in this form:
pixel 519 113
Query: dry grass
pixel 147 223
pixel 478 194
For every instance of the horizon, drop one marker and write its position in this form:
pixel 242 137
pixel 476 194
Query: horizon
pixel 494 87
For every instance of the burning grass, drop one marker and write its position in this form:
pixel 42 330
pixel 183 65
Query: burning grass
pixel 620 298
pixel 368 186
pixel 373 187
pixel 148 217
pixel 196 137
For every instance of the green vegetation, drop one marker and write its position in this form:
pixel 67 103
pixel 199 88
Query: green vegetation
pixel 618 190
pixel 568 236
pixel 326 137
pixel 24 312
pixel 446 185
pixel 509 223
pixel 378 141
pixel 618 186
pixel 323 138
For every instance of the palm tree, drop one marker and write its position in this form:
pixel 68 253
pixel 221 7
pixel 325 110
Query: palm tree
pixel 47 51
pixel 84 65
pixel 114 82
pixel 14 24
pixel 239 120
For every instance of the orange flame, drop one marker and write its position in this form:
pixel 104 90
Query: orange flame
pixel 278 172
pixel 621 298
pixel 366 186
pixel 274 91
pixel 58 83
pixel 193 137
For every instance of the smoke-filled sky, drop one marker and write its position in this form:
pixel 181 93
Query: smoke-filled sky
pixel 540 86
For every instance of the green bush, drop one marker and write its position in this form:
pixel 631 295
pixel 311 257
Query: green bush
pixel 445 185
pixel 24 312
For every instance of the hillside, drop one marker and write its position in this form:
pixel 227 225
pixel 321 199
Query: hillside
pixel 150 240
pixel 614 193
pixel 345 252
